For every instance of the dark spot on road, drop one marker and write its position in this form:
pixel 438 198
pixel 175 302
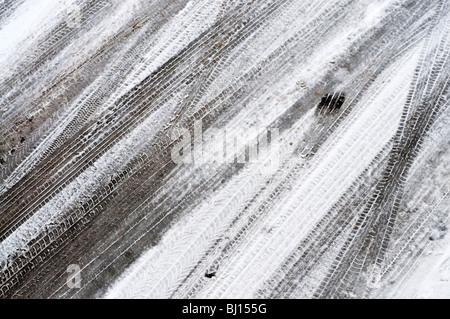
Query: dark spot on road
pixel 210 275
pixel 12 151
pixel 2 161
pixel 22 140
pixel 332 102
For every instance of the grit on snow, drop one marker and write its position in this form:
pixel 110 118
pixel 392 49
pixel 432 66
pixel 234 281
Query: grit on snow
pixel 342 104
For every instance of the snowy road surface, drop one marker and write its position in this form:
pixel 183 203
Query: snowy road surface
pixel 224 149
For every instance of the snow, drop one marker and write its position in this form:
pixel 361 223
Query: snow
pixel 261 234
pixel 342 160
pixel 429 277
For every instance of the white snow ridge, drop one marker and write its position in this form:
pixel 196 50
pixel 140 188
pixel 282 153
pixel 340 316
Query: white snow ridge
pixel 314 137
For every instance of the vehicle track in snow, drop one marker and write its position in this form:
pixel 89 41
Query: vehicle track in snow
pixel 87 113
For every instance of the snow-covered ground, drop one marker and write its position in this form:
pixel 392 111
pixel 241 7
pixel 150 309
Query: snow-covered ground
pixel 430 275
pixel 92 93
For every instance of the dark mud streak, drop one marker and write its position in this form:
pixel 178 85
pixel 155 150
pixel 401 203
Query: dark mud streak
pixel 121 219
pixel 8 8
